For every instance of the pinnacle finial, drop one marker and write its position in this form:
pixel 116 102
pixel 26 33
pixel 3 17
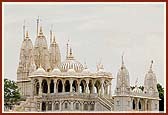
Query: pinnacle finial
pixel 136 82
pixel 85 65
pixel 27 34
pixel 67 52
pixel 41 31
pixel 54 39
pixel 70 51
pixel 122 58
pixel 151 64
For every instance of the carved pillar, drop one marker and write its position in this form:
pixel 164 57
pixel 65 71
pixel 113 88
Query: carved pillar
pixel 63 86
pixel 71 81
pixel 145 105
pixel 110 92
pixel 53 106
pixel 102 87
pixel 49 81
pixel 32 88
pixel 137 104
pixel 41 106
pixel 87 85
pixel 40 87
pixel 55 86
pixel 78 86
pixel 71 105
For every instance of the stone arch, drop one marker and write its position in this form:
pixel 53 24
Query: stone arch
pixel 67 86
pixel 133 104
pixel 97 85
pixel 139 105
pixel 59 86
pixel 52 86
pixel 44 86
pixel 83 86
pixel 74 86
pixel 91 86
pixel 36 86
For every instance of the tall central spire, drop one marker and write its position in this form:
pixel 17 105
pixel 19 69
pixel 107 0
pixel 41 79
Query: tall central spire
pixel 67 52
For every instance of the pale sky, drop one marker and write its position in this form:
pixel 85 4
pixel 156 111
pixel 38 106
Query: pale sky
pixel 96 32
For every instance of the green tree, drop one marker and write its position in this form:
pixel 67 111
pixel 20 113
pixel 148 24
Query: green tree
pixel 161 96
pixel 11 93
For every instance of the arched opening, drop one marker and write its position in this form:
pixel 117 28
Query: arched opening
pixel 67 86
pixel 83 86
pixel 90 86
pixel 43 106
pixel 52 86
pixel 133 105
pixel 97 85
pixel 106 87
pixel 59 86
pixel 74 86
pixel 36 87
pixel 44 86
pixel 140 105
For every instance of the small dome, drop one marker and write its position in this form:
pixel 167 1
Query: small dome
pixel 71 64
pixel 55 71
pixel 40 71
pixel 137 90
pixel 71 71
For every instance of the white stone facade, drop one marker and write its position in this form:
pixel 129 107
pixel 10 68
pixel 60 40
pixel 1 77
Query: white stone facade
pixel 50 84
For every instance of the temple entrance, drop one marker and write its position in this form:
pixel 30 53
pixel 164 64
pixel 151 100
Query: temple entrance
pixel 43 106
pixel 52 86
pixel 45 86
pixel 60 86
pixel 67 86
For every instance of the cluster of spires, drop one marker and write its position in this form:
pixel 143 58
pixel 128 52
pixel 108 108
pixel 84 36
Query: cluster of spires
pixel 69 54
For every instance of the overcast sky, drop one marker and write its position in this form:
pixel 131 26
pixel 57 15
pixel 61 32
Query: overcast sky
pixel 96 32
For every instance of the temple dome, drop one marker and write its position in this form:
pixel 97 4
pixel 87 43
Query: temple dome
pixel 71 64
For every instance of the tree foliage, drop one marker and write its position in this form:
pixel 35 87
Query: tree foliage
pixel 11 92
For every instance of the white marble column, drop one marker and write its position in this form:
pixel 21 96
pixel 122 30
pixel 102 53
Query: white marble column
pixel 52 105
pixel 40 87
pixel 145 105
pixel 63 86
pixel 48 86
pixel 137 104
pixel 87 86
pixel 110 92
pixel 71 81
pixel 32 88
pixel 102 87
pixel 55 86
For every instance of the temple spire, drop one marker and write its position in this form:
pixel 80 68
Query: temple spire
pixel 67 52
pixel 136 82
pixel 51 34
pixel 24 30
pixel 37 24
